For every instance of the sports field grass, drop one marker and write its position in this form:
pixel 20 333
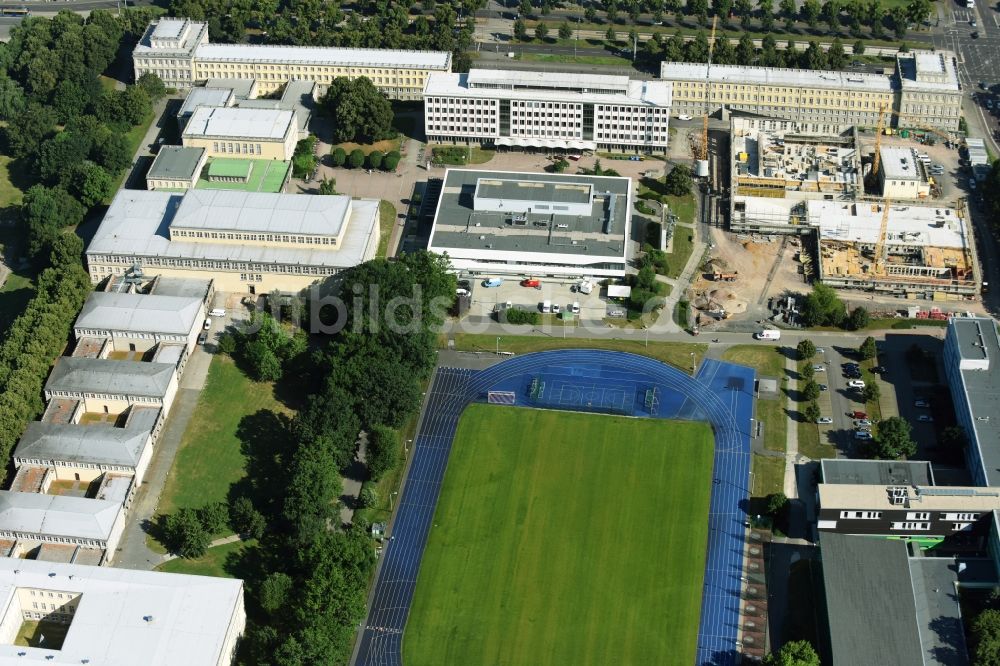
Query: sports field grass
pixel 564 538
pixel 266 176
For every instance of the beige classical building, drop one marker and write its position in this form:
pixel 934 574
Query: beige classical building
pixel 178 51
pixel 923 90
pixel 119 616
pixel 260 134
pixel 243 241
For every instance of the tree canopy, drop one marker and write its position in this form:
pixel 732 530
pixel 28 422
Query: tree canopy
pixel 360 111
pixel 822 307
pixel 893 440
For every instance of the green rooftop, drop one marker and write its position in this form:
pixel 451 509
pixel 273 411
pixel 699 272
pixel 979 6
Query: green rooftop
pixel 229 168
pixel 265 175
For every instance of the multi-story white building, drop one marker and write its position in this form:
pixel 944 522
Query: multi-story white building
pixel 178 51
pixel 924 90
pixel 547 110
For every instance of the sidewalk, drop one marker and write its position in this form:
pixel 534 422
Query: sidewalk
pixel 791 433
pixel 232 538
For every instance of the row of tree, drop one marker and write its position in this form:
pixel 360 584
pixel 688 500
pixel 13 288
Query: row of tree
pixel 676 49
pixel 37 336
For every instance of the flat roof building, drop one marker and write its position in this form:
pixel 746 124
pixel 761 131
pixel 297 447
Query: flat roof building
pixel 269 134
pixel 901 175
pixel 120 617
pixel 507 223
pixel 924 88
pixel 178 51
pixel 176 168
pixel 244 241
pixel 197 97
pixel 972 366
pixel 298 96
pixel 547 110
pixel 877 472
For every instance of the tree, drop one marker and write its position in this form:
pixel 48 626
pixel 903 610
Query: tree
pixel 185 534
pixel 766 9
pixel 245 519
pixel 810 391
pixel 338 156
pixel 382 453
pixel 356 159
pixel 698 9
pixel 12 99
pixel 831 15
pixel 806 349
pixel 590 14
pixel 565 31
pixel 954 437
pixel 32 127
pixel 777 503
pixel 810 11
pixel 678 181
pixel 746 53
pixel 822 307
pixel 813 57
pixel 520 30
pixel 806 372
pixel 275 590
pixel 391 160
pixel 899 19
pixel 214 517
pixel 835 56
pixel 227 343
pixel 360 111
pixel 723 8
pixel 46 212
pixel 111 151
pixel 793 653
pixel 152 85
pixel 812 412
pixel 375 159
pixel 525 8
pixel 744 8
pixel 871 392
pixel 893 439
pixel 724 53
pixel 697 49
pixel 917 11
pixel 328 186
pixel 541 32
pixel 859 319
pixel 559 165
pixel 986 638
pixel 90 183
pixel 859 48
pixel 789 11
pixel 868 348
pixel 610 36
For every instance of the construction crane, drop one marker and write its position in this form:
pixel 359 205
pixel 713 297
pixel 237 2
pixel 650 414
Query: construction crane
pixel 883 232
pixel 701 169
pixel 880 130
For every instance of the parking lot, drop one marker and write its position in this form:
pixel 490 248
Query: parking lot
pixel 485 300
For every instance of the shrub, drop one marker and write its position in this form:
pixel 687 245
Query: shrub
pixel 519 316
pixel 356 158
pixel 338 156
pixel 391 160
pixel 375 159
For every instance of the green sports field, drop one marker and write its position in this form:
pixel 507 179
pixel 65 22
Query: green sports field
pixel 565 538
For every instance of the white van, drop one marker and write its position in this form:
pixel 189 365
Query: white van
pixel 217 312
pixel 207 325
pixel 546 306
pixel 768 334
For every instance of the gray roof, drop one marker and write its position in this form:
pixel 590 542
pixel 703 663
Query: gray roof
pixel 877 472
pixel 98 375
pixel 94 444
pixel 58 515
pixel 241 87
pixel 137 225
pixel 205 97
pixel 938 613
pixel 869 600
pixel 297 97
pixel 977 343
pixel 175 286
pixel 234 210
pixel 777 76
pixel 458 226
pixel 319 55
pixel 240 123
pixel 176 163
pixel 139 313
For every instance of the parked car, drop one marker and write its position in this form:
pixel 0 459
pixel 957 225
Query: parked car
pixel 823 420
pixel 555 308
pixel 575 308
pixel 856 383
pixel 537 284
pixel 857 415
pixel 683 116
pixel 492 282
pixel 863 423
pixel 920 402
pixel 202 337
pixel 819 367
pixel 862 434
pixel 925 418
pixel 824 387
pixel 208 323
pixel 217 312
pixel 878 369
pixel 820 350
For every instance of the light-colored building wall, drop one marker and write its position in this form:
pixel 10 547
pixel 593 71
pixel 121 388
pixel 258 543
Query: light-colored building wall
pixel 258 279
pixel 237 625
pixel 11 619
pixel 246 147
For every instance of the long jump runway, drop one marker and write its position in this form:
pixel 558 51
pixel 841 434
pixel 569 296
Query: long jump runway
pixel 579 380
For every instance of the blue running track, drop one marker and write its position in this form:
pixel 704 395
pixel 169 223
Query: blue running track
pixel 579 380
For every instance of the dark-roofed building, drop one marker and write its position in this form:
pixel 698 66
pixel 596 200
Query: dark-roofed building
pixel 869 601
pixel 538 224
pixel 877 472
pixel 886 607
pixel 972 365
pixel 176 168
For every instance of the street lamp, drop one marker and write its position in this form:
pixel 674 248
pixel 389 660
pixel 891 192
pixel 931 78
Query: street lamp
pixel 694 368
pixel 498 345
pixel 390 499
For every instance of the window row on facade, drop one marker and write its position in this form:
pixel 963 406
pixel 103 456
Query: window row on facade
pixel 262 238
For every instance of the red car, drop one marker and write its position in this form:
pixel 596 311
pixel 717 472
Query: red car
pixel 531 283
pixel 858 415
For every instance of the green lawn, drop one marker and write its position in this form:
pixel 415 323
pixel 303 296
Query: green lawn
pixel 769 362
pixel 680 252
pixel 32 632
pixel 683 207
pixel 10 194
pixel 209 459
pixel 386 220
pixel 213 563
pixel 810 444
pixel 768 475
pixel 564 538
pixel 677 354
pixel 577 60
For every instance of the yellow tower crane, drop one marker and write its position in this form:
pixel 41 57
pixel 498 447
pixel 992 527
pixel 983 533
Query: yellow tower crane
pixel 703 155
pixel 883 233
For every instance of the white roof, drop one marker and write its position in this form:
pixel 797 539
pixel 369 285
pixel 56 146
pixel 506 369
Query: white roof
pixel 646 93
pixel 908 224
pixel 189 616
pixel 928 70
pixel 137 224
pixel 239 122
pixel 799 78
pixel 58 515
pixel 205 97
pixel 619 291
pixel 139 313
pixel 900 163
pixel 233 210
pixel 169 28
pixel 315 55
pixel 96 444
pixel 547 79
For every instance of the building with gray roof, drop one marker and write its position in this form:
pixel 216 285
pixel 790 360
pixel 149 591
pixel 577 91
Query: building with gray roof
pixel 877 472
pixel 269 134
pixel 119 617
pixel 505 223
pixel 84 521
pixel 176 168
pixel 972 367
pixel 73 377
pixel 242 241
pixel 130 316
pixel 298 96
pixel 203 96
